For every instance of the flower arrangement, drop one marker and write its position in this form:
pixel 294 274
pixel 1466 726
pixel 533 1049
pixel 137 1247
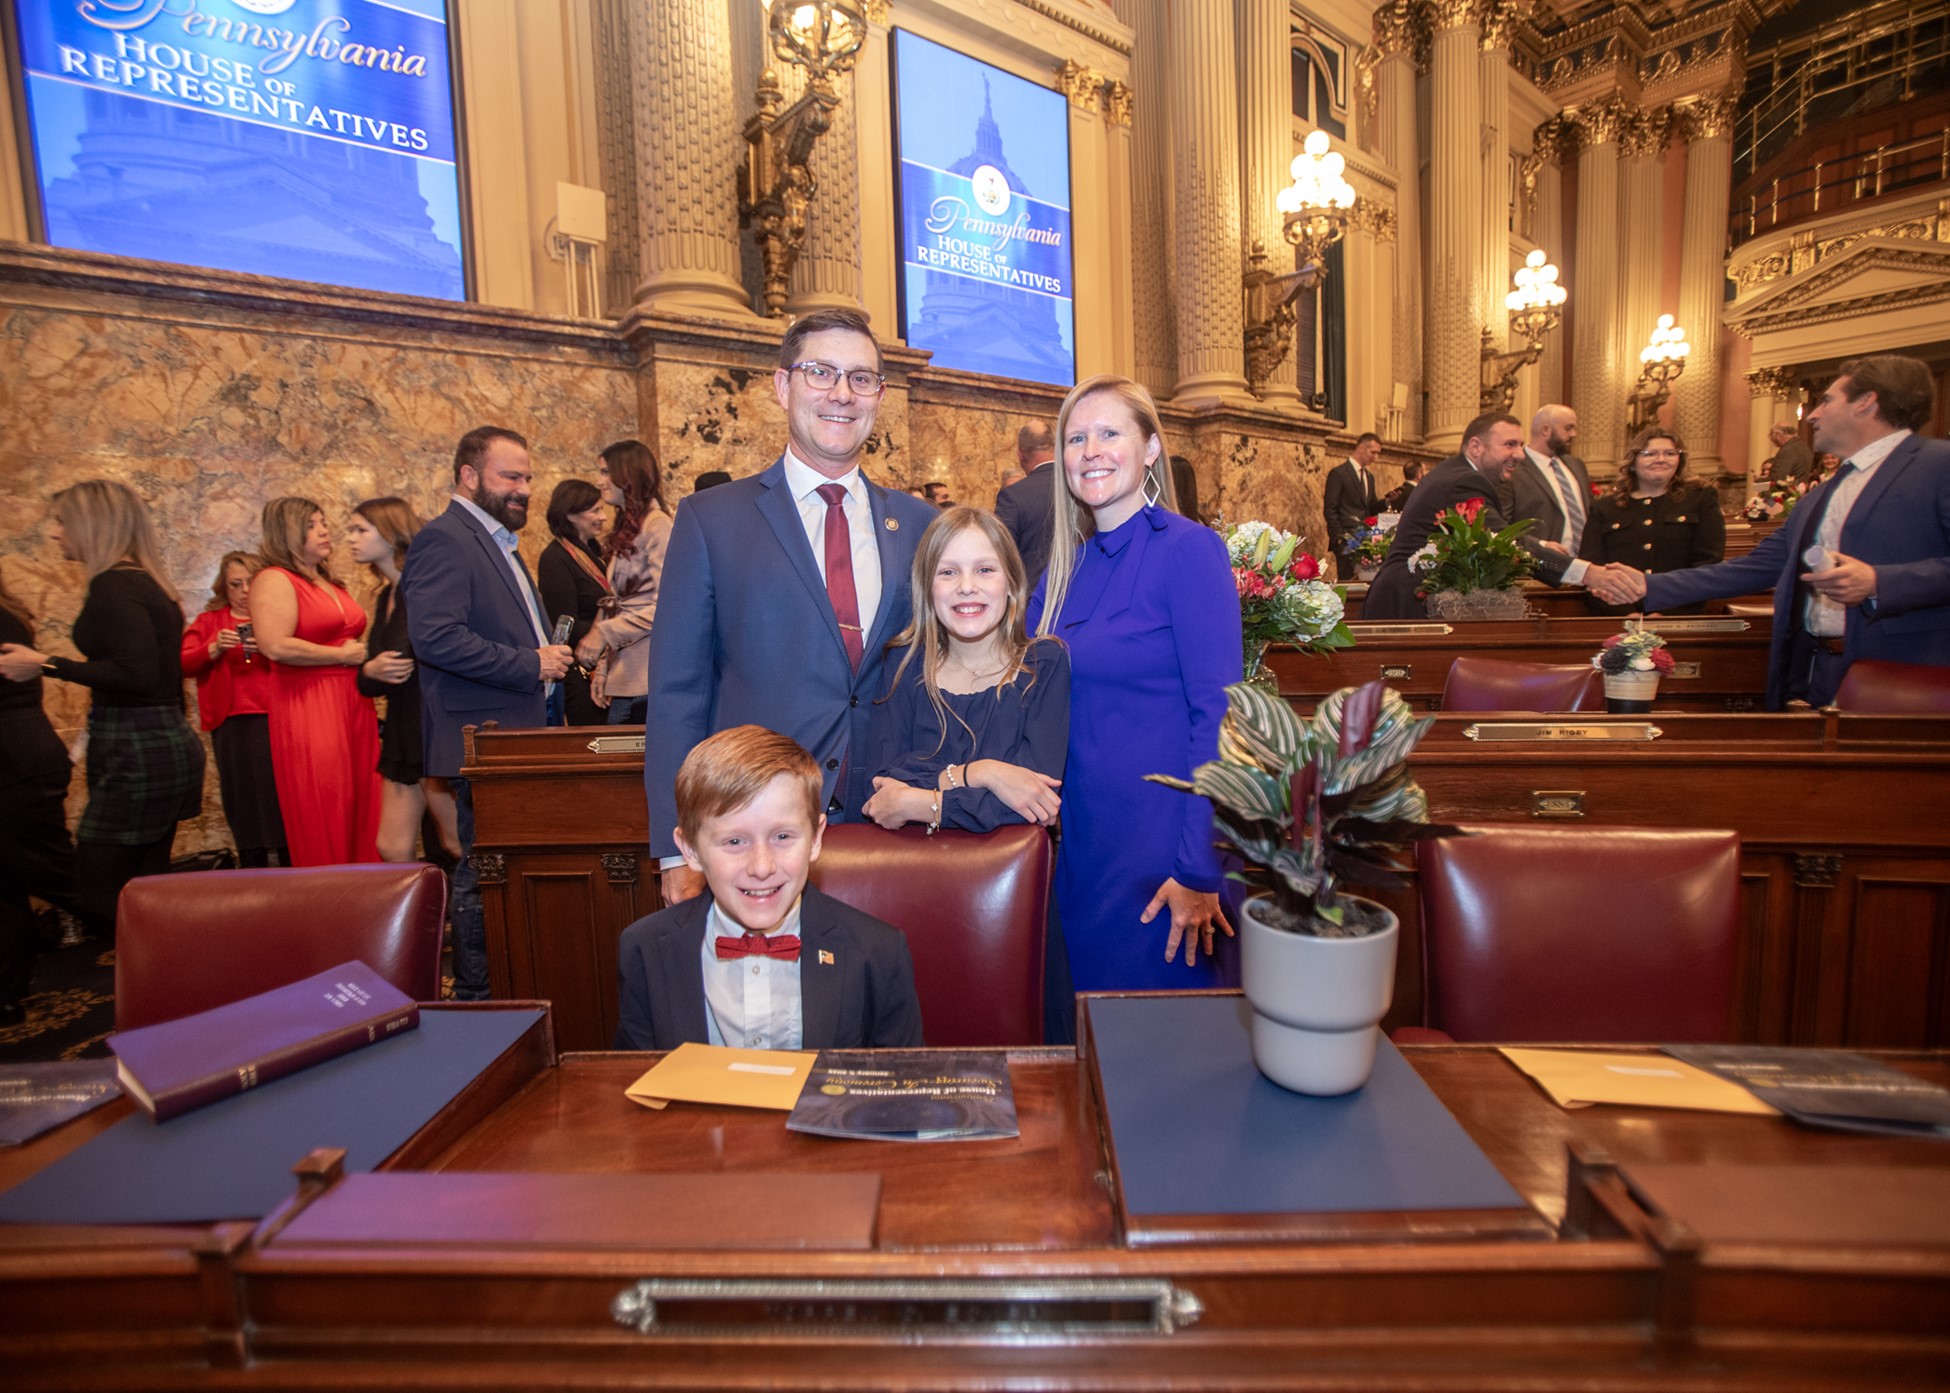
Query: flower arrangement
pixel 1308 804
pixel 1775 503
pixel 1463 554
pixel 1367 545
pixel 1281 596
pixel 1638 651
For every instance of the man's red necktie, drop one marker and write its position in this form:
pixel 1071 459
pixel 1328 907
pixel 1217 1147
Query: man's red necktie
pixel 784 947
pixel 839 573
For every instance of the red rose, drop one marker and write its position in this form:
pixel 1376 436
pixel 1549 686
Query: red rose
pixel 1470 508
pixel 1367 522
pixel 1305 567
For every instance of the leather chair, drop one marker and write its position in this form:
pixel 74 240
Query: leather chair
pixel 975 909
pixel 1895 688
pixel 1493 684
pixel 1550 934
pixel 192 941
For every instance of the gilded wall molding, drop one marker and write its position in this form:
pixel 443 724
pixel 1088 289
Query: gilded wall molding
pixel 1069 19
pixel 1707 118
pixel 1643 133
pixel 1807 250
pixel 1452 14
pixel 1120 101
pixel 1083 86
pixel 1778 383
pixel 1601 122
pixel 879 12
pixel 1396 32
pixel 1373 218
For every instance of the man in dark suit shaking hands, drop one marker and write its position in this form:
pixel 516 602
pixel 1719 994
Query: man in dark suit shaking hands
pixel 780 591
pixel 1491 446
pixel 482 644
pixel 1861 568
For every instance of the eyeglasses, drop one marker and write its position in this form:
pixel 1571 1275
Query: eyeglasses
pixel 824 377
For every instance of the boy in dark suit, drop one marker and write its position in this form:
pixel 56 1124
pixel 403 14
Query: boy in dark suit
pixel 762 960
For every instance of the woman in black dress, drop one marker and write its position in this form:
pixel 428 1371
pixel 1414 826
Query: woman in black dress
pixel 570 574
pixel 380 531
pixel 145 763
pixel 1655 519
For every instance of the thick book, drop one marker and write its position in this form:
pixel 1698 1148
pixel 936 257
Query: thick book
pixel 183 1064
pixel 907 1095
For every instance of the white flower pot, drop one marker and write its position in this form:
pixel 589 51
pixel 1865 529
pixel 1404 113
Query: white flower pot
pixel 1317 1002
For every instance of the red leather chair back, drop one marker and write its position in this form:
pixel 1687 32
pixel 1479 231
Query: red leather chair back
pixel 1619 934
pixel 1491 684
pixel 975 910
pixel 1895 688
pixel 188 942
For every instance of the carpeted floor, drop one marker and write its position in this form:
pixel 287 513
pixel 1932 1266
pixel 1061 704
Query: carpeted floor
pixel 71 1008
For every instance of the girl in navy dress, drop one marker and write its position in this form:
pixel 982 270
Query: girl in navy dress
pixel 973 728
pixel 1145 602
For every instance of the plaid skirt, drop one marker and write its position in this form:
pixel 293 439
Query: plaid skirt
pixel 145 774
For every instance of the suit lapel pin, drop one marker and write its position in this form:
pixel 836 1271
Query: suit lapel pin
pixel 825 957
pixel 893 524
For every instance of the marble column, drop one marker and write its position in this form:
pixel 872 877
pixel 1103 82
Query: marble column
pixel 1397 144
pixel 1205 185
pixel 1260 29
pixel 688 145
pixel 1596 393
pixel 1708 128
pixel 1493 84
pixel 826 274
pixel 1771 394
pixel 1120 102
pixel 1455 306
pixel 1154 329
pixel 1551 143
pixel 1641 238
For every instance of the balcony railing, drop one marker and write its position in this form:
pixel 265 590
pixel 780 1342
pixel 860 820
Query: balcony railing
pixel 1829 185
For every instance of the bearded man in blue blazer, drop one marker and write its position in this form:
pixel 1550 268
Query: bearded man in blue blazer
pixel 1861 567
pixel 481 642
pixel 780 591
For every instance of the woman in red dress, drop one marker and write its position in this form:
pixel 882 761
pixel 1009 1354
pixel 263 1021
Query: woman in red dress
pixel 324 736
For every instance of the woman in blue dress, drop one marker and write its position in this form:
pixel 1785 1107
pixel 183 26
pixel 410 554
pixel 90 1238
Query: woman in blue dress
pixel 976 719
pixel 1148 610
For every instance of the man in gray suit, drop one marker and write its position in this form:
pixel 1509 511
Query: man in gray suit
pixel 1551 487
pixel 1793 460
pixel 780 591
pixel 1024 507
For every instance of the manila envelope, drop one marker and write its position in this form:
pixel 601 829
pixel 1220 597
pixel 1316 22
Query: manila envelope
pixel 713 1074
pixel 1577 1078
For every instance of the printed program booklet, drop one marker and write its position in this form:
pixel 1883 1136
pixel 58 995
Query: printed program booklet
pixel 908 1095
pixel 1830 1088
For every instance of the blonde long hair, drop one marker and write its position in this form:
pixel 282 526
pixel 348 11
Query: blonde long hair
pixel 106 525
pixel 927 635
pixel 285 521
pixel 1074 523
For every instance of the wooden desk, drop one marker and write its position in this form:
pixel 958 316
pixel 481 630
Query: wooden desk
pixel 1603 1305
pixel 1718 669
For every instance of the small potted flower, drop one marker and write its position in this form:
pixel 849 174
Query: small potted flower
pixel 1467 571
pixel 1773 504
pixel 1366 547
pixel 1281 596
pixel 1310 805
pixel 1632 664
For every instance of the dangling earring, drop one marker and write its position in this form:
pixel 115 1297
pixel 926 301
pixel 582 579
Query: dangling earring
pixel 1153 490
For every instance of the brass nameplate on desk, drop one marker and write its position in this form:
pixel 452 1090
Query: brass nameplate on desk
pixel 1557 802
pixel 1397 672
pixel 915 1309
pixel 1727 624
pixel 1685 672
pixel 1562 731
pixel 616 745
pixel 1398 628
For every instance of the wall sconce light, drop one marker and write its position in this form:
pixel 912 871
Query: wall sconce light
pixel 775 184
pixel 1661 361
pixel 1536 307
pixel 1315 206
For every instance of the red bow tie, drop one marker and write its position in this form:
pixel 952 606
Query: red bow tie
pixel 782 946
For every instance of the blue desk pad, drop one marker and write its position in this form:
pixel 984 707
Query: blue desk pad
pixel 1197 1129
pixel 233 1159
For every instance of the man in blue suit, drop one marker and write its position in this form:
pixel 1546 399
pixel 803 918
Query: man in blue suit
pixel 482 644
pixel 1861 568
pixel 780 591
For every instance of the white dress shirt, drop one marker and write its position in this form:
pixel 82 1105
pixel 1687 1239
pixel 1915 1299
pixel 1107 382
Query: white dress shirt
pixel 1825 618
pixel 805 482
pixel 1548 467
pixel 499 534
pixel 751 1003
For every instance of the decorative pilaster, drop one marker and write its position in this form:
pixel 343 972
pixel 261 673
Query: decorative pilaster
pixel 1552 142
pixel 688 143
pixel 1205 186
pixel 1266 153
pixel 1642 144
pixel 1493 83
pixel 1768 390
pixel 1456 222
pixel 1153 274
pixel 1707 126
pixel 827 273
pixel 1396 143
pixel 616 150
pixel 1597 393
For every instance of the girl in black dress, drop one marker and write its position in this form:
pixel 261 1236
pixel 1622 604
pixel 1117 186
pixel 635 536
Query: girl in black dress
pixel 145 763
pixel 1655 519
pixel 380 531
pixel 570 574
